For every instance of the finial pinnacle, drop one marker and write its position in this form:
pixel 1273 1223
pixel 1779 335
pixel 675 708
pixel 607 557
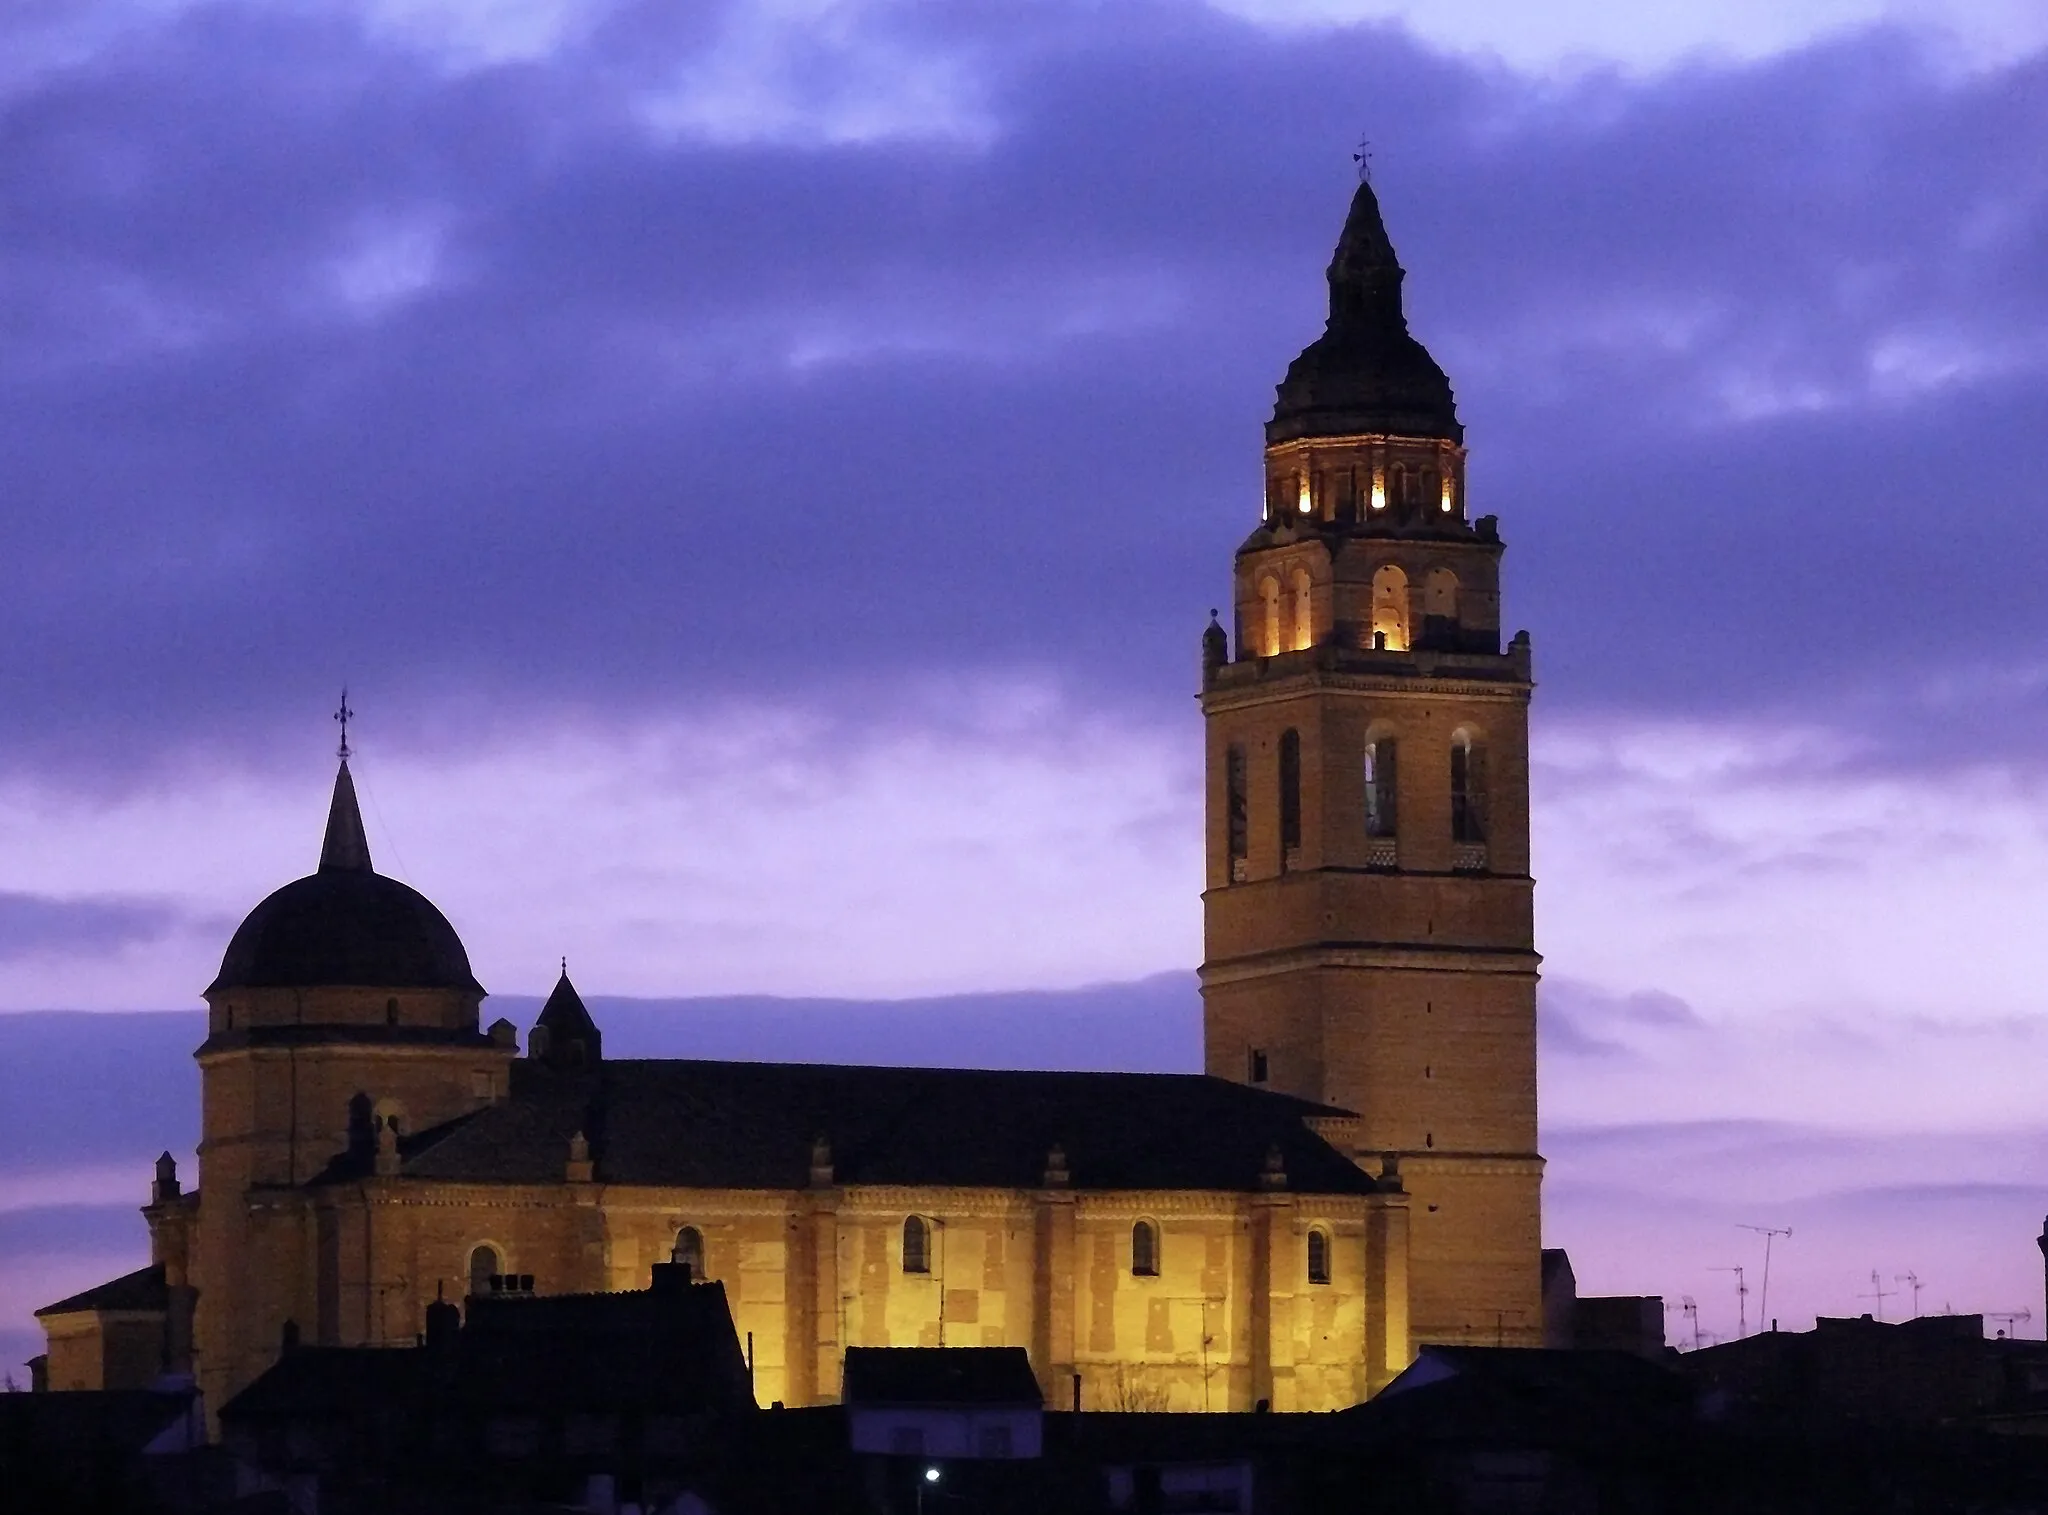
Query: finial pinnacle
pixel 342 717
pixel 565 965
pixel 1363 158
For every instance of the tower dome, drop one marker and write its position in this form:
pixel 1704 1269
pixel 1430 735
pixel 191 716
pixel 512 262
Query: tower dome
pixel 346 925
pixel 1366 373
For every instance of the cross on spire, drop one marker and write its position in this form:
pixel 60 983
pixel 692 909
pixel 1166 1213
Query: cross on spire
pixel 342 717
pixel 1363 158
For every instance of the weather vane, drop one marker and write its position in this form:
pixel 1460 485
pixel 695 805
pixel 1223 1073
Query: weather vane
pixel 342 717
pixel 1363 158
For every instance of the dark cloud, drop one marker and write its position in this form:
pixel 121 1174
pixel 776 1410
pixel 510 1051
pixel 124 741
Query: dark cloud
pixel 1749 355
pixel 39 925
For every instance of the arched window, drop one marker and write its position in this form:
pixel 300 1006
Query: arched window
pixel 1390 608
pixel 1145 1250
pixel 917 1244
pixel 1290 790
pixel 1304 610
pixel 1269 595
pixel 1236 812
pixel 1379 787
pixel 484 1265
pixel 1398 486
pixel 1318 1256
pixel 689 1248
pixel 1467 809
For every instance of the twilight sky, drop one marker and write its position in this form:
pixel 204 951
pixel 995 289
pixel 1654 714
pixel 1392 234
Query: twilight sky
pixel 762 468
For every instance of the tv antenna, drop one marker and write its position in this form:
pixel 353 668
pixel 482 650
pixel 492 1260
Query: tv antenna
pixel 2011 1318
pixel 1741 1298
pixel 1769 1234
pixel 1692 1313
pixel 1878 1292
pixel 1363 158
pixel 1912 1281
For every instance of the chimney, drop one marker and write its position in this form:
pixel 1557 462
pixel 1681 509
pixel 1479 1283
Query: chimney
pixel 1056 1175
pixel 822 1171
pixel 444 1323
pixel 1275 1174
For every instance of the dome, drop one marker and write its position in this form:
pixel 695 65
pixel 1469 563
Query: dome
pixel 1366 373
pixel 346 925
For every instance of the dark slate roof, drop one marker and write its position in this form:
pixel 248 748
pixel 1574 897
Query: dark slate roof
pixel 141 1290
pixel 1365 373
pixel 940 1376
pixel 346 925
pixel 1523 1395
pixel 671 1349
pixel 729 1125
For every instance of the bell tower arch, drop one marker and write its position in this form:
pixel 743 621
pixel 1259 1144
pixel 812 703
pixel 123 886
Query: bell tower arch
pixel 1368 917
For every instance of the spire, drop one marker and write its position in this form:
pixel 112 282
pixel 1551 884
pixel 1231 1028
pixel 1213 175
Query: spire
pixel 1365 373
pixel 347 849
pixel 565 1035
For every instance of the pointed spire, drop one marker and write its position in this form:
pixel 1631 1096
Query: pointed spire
pixel 346 849
pixel 1365 275
pixel 565 1034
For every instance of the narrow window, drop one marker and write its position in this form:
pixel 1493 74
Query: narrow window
pixel 1290 790
pixel 1465 808
pixel 1237 815
pixel 1269 594
pixel 1318 1257
pixel 1379 787
pixel 1397 485
pixel 1304 611
pixel 917 1245
pixel 1145 1249
pixel 689 1248
pixel 391 1012
pixel 1257 1069
pixel 483 1267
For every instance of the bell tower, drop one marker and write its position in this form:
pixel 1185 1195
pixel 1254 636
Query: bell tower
pixel 1369 937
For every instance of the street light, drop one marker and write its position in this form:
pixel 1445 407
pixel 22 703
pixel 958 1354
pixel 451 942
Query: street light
pixel 930 1479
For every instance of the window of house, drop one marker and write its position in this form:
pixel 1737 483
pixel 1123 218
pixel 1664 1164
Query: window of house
pixel 1257 1071
pixel 689 1248
pixel 1466 821
pixel 1379 787
pixel 917 1245
pixel 1145 1249
pixel 1290 789
pixel 484 1265
pixel 993 1441
pixel 1236 809
pixel 1318 1257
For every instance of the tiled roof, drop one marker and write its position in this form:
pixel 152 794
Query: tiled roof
pixel 940 1376
pixel 141 1290
pixel 731 1125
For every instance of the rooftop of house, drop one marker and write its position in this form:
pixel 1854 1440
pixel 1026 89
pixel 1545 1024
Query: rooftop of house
pixel 962 1376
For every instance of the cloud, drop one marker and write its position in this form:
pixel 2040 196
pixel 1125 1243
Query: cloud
pixel 34 926
pixel 491 390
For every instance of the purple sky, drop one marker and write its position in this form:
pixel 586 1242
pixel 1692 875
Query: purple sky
pixel 762 470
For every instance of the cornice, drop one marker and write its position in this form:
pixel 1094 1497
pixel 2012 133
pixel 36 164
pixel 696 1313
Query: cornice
pixel 1512 962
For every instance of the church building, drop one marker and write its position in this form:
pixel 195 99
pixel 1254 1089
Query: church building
pixel 1354 1176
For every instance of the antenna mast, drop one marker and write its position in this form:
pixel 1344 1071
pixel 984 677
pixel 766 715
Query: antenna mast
pixel 1878 1292
pixel 1769 1233
pixel 1912 1281
pixel 1741 1298
pixel 2011 1318
pixel 1692 1313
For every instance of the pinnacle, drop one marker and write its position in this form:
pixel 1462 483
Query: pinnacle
pixel 346 848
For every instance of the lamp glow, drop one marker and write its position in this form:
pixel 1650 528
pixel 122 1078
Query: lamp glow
pixel 1307 504
pixel 1379 490
pixel 1447 495
pixel 931 1475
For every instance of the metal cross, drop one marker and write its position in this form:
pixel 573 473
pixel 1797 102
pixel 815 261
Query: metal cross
pixel 342 717
pixel 1363 158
